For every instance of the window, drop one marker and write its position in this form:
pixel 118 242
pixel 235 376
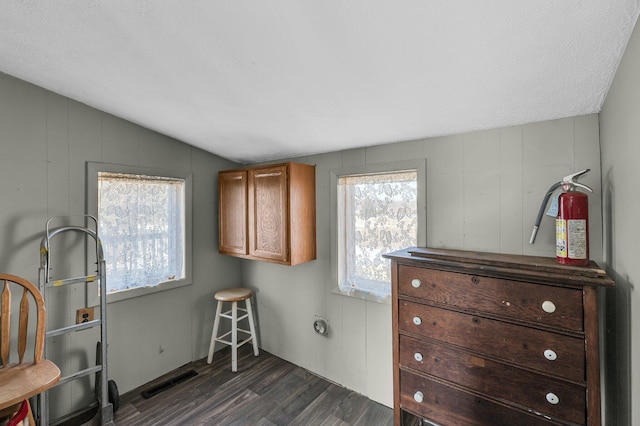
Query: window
pixel 377 212
pixel 144 226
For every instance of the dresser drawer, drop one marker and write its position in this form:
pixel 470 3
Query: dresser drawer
pixel 512 299
pixel 544 351
pixel 556 398
pixel 448 406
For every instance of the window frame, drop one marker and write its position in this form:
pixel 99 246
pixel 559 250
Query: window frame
pixel 419 165
pixel 93 169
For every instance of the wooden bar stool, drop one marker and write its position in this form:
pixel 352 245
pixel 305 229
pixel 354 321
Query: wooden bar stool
pixel 233 296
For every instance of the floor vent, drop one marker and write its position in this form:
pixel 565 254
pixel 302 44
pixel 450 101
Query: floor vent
pixel 168 384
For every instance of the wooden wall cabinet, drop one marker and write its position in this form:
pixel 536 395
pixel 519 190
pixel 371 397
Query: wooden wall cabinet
pixel 490 339
pixel 268 213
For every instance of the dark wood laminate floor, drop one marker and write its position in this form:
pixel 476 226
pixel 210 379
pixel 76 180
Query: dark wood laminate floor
pixel 266 390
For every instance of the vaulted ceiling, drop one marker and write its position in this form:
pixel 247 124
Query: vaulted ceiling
pixel 253 80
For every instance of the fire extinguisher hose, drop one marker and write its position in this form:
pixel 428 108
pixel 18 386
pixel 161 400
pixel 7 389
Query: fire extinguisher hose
pixel 543 206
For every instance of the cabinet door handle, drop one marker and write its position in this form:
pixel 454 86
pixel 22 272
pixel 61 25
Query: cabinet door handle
pixel 415 283
pixel 552 398
pixel 418 396
pixel 417 320
pixel 417 356
pixel 548 306
pixel 550 355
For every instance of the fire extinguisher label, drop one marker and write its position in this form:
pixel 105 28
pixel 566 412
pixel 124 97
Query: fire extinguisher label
pixel 577 239
pixel 561 238
pixel 571 238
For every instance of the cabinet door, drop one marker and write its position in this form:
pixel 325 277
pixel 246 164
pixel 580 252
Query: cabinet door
pixel 268 213
pixel 232 212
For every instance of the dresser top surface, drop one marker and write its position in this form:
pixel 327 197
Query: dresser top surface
pixel 541 269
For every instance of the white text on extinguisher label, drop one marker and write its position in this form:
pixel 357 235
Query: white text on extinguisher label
pixel 577 239
pixel 561 238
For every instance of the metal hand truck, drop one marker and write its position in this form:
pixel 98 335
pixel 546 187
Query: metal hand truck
pixel 106 391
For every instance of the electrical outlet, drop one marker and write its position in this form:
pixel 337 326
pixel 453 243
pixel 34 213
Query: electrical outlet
pixel 84 315
pixel 321 325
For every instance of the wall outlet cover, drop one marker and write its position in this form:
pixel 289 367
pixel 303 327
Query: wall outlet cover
pixel 84 315
pixel 321 326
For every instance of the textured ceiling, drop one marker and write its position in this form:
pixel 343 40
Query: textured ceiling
pixel 254 80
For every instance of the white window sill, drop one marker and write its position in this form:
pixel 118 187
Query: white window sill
pixel 363 295
pixel 143 291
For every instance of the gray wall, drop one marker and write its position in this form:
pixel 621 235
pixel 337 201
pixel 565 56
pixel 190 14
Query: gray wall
pixel 483 193
pixel 620 140
pixel 45 140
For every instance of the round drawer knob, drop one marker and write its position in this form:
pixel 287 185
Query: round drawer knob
pixel 550 355
pixel 417 356
pixel 417 320
pixel 552 398
pixel 415 283
pixel 548 306
pixel 418 396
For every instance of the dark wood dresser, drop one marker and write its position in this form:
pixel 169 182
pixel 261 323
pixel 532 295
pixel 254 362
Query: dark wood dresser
pixel 491 339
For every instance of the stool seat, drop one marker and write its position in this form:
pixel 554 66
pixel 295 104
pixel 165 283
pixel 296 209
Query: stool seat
pixel 233 296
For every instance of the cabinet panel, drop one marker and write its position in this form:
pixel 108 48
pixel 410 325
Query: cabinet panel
pixel 516 300
pixel 268 217
pixel 509 342
pixel 496 379
pixel 302 219
pixel 232 212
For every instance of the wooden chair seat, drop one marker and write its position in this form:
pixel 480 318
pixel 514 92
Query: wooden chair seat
pixel 22 381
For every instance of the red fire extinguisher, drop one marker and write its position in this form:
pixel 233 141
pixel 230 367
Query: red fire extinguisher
pixel 572 221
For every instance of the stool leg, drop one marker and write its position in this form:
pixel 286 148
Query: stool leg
pixel 214 334
pixel 234 337
pixel 252 327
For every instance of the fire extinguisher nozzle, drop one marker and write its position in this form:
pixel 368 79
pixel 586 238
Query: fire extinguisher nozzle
pixel 533 235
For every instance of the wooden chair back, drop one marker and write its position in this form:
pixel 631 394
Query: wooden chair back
pixel 23 320
pixel 22 379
